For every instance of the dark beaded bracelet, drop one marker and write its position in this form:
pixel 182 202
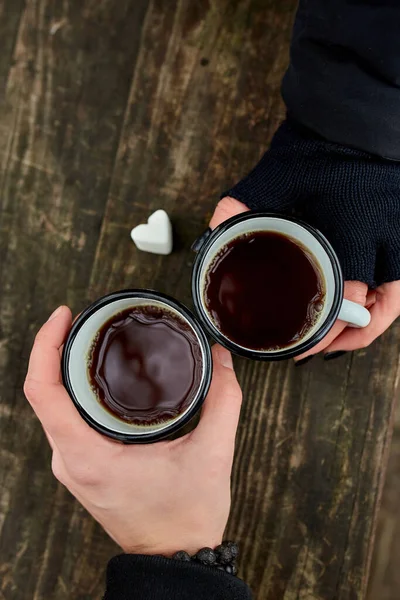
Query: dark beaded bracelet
pixel 223 557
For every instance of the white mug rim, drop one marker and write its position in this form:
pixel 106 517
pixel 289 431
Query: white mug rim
pixel 209 326
pixel 170 427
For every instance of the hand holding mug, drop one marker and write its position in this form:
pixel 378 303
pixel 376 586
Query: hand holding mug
pixel 151 499
pixel 384 302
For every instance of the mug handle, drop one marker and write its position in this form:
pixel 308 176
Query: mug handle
pixel 354 314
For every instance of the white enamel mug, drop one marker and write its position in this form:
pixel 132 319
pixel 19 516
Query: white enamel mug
pixel 74 366
pixel 335 305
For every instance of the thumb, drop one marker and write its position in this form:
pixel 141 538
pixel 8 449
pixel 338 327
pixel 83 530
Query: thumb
pixel 220 415
pixel 226 208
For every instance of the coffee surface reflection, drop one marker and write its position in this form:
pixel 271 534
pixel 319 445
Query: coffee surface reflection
pixel 264 291
pixel 145 365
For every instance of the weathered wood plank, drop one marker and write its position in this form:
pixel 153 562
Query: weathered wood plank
pixel 313 464
pixel 66 95
pixel 113 110
pixel 385 576
pixel 11 12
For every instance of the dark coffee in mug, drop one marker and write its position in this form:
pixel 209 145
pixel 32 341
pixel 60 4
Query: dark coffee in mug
pixel 145 365
pixel 264 291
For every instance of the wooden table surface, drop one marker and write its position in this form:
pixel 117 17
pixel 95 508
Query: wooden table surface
pixel 111 110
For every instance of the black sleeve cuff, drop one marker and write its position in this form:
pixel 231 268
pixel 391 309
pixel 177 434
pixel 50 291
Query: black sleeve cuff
pixel 352 197
pixel 139 577
pixel 343 78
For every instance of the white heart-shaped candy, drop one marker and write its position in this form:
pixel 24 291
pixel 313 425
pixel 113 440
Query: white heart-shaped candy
pixel 156 236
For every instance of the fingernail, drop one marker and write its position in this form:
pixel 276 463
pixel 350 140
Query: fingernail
pixel 303 361
pixel 54 314
pixel 197 244
pixel 225 358
pixel 332 355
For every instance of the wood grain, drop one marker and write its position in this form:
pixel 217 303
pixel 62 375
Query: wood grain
pixel 111 110
pixel 385 576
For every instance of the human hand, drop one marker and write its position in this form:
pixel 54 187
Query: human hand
pixel 384 306
pixel 154 499
pixel 383 302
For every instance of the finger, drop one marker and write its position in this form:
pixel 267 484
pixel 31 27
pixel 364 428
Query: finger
pixel 60 350
pixel 220 415
pixel 354 291
pixel 385 310
pixel 370 299
pixel 76 317
pixel 43 388
pixel 63 425
pixel 50 440
pixel 44 363
pixel 336 330
pixel 226 208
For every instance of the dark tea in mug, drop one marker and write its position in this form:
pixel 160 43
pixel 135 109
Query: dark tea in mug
pixel 145 365
pixel 264 291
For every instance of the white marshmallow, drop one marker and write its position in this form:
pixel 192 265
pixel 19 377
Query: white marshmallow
pixel 156 236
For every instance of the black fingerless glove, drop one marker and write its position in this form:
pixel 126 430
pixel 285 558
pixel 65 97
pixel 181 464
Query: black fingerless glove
pixel 352 197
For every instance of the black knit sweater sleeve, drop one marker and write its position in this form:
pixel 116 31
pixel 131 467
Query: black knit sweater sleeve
pixel 352 197
pixel 138 577
pixel 343 81
pixel 329 163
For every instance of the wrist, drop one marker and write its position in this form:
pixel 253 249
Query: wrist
pixel 223 557
pixel 170 547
